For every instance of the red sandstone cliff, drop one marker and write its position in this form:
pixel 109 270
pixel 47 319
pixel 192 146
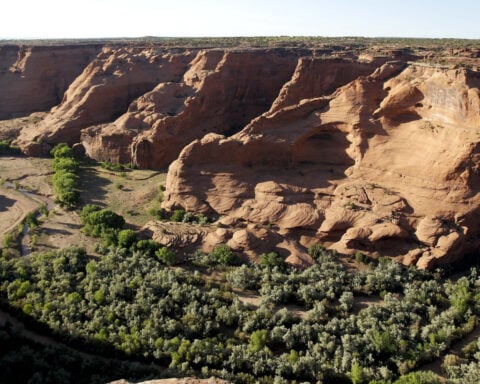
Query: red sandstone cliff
pixel 388 163
pixel 102 92
pixel 221 92
pixel 34 79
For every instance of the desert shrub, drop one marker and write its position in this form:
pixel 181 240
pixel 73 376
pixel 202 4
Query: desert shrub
pixel 190 217
pixel 31 220
pixel 99 222
pixel 43 210
pixel 128 302
pixel 9 240
pixel 178 215
pixel 147 246
pixel 258 340
pixel 166 256
pixel 420 377
pixel 126 238
pixel 34 240
pixel 68 164
pixel 87 210
pixel 62 150
pixel 222 254
pixel 244 277
pixel 317 251
pixel 6 149
pixel 271 260
pixel 159 214
pixel 114 167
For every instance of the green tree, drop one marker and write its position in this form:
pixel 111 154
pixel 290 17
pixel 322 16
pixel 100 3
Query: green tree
pixel 98 222
pixel 62 150
pixel 126 238
pixel 420 377
pixel 65 178
pixel 357 374
pixel 177 215
pixel 271 259
pixel 222 254
pixel 258 340
pixel 31 220
pixel 166 256
pixel 147 246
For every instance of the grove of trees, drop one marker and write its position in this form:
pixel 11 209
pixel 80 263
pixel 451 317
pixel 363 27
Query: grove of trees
pixel 65 179
pixel 131 304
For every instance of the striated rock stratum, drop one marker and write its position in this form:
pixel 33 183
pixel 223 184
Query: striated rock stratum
pixel 363 149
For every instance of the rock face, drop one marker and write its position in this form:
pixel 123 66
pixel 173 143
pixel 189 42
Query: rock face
pixel 102 92
pixel 220 92
pixel 373 150
pixel 34 79
pixel 386 164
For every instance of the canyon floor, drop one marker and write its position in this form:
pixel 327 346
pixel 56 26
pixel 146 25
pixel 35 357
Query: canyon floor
pixel 27 184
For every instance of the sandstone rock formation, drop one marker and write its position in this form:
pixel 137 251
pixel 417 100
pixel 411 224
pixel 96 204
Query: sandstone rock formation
pixel 35 78
pixel 220 92
pixel 386 164
pixel 103 92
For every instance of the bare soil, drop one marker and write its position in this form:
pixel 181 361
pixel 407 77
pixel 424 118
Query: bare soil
pixel 13 208
pixel 130 194
pixel 33 174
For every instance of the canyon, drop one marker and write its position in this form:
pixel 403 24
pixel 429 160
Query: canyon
pixel 363 148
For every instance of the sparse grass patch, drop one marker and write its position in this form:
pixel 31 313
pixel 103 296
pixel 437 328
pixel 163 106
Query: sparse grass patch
pixel 134 197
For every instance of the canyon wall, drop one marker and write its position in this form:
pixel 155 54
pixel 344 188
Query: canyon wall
pixel 386 164
pixel 363 150
pixel 34 79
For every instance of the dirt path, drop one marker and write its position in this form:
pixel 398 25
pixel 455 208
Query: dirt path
pixel 14 206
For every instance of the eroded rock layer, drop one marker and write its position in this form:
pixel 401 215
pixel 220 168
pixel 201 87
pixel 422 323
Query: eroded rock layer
pixel 103 92
pixel 386 164
pixel 220 92
pixel 34 79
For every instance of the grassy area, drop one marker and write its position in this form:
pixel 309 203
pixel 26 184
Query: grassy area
pixel 129 193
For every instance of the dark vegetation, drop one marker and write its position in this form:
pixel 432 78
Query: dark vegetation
pixel 7 149
pixel 129 305
pixel 24 361
pixel 179 216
